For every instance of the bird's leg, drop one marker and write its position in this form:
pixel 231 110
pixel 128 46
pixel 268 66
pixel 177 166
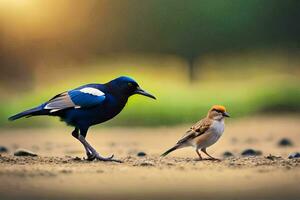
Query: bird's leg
pixel 197 151
pixel 95 154
pixel 75 134
pixel 204 151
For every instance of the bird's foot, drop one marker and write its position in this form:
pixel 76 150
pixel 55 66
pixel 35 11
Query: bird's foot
pixel 96 156
pixel 214 159
pixel 204 159
pixel 107 159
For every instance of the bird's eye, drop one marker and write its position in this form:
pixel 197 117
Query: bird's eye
pixel 130 84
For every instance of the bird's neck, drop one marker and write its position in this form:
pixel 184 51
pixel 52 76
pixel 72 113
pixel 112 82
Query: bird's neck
pixel 119 99
pixel 216 119
pixel 122 99
pixel 116 94
pixel 220 120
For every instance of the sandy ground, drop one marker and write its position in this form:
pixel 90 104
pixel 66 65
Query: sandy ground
pixel 61 172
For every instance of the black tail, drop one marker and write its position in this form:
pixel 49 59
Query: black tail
pixel 170 150
pixel 26 113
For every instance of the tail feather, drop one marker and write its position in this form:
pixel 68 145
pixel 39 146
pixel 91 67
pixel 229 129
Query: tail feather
pixel 170 150
pixel 26 113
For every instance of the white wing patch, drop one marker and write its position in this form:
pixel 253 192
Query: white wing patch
pixel 92 91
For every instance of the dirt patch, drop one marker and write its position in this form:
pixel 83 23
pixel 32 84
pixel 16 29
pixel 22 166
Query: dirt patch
pixel 49 166
pixel 60 170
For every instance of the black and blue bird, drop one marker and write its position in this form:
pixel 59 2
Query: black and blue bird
pixel 88 105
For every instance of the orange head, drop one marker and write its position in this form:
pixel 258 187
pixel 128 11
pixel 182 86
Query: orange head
pixel 217 112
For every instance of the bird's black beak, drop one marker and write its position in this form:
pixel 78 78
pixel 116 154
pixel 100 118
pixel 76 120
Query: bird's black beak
pixel 225 114
pixel 143 92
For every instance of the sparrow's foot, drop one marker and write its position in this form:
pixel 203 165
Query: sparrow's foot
pixel 210 157
pixel 207 159
pixel 214 159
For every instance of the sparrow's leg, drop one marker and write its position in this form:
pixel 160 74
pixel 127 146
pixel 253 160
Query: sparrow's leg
pixel 204 151
pixel 75 134
pixel 197 151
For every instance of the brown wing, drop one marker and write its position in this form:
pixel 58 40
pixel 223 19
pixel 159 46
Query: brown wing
pixel 198 129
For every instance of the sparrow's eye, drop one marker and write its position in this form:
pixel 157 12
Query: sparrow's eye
pixel 218 111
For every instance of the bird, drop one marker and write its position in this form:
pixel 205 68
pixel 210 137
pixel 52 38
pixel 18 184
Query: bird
pixel 88 105
pixel 204 133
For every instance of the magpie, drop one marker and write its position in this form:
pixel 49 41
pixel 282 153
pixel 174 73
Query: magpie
pixel 88 105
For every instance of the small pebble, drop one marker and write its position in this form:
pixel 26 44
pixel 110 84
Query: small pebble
pixel 251 152
pixel 272 157
pixel 146 163
pixel 77 159
pixel 141 154
pixel 285 142
pixel 169 164
pixel 3 149
pixel 66 171
pixel 24 152
pixel 227 154
pixel 294 155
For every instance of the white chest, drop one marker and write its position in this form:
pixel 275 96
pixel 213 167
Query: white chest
pixel 217 128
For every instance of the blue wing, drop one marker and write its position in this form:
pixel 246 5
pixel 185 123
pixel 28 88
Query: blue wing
pixel 78 98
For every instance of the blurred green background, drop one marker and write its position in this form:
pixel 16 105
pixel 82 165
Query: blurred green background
pixel 190 54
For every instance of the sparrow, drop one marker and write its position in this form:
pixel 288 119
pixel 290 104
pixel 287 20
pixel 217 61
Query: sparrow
pixel 88 105
pixel 204 133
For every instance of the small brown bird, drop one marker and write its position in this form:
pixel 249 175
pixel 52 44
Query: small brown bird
pixel 204 133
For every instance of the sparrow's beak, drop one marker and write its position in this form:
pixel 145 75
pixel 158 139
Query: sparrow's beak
pixel 225 114
pixel 143 92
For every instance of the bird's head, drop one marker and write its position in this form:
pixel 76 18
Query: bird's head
pixel 217 112
pixel 127 86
